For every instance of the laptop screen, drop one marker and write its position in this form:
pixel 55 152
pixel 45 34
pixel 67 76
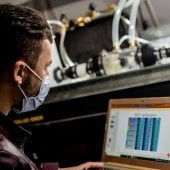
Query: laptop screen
pixel 139 129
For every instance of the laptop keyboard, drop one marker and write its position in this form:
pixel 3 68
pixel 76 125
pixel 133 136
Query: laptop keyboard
pixel 112 168
pixel 128 167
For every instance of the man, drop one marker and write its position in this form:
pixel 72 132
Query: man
pixel 25 53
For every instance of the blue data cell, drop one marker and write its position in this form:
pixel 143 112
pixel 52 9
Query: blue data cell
pixel 147 134
pixel 140 132
pixel 155 134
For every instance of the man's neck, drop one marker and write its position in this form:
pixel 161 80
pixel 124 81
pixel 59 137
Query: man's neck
pixel 5 100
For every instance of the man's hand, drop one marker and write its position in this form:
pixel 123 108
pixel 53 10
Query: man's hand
pixel 86 166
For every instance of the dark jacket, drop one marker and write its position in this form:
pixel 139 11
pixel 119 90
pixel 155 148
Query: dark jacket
pixel 12 139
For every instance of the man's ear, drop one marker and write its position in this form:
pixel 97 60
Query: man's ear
pixel 19 71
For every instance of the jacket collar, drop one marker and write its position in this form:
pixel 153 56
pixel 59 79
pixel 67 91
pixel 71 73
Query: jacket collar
pixel 16 134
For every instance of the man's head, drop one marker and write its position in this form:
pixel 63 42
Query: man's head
pixel 25 40
pixel 22 32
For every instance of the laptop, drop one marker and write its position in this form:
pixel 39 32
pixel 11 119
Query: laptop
pixel 137 134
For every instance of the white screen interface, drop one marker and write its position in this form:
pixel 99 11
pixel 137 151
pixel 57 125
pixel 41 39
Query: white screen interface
pixel 139 133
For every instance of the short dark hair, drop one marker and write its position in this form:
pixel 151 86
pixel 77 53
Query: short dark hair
pixel 22 32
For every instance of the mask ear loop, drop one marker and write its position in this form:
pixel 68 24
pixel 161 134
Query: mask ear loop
pixel 22 91
pixel 33 72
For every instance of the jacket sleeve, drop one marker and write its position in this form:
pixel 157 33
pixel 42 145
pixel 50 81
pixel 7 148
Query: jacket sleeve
pixel 9 161
pixel 49 166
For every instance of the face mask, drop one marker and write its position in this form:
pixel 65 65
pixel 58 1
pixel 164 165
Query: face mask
pixel 31 103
